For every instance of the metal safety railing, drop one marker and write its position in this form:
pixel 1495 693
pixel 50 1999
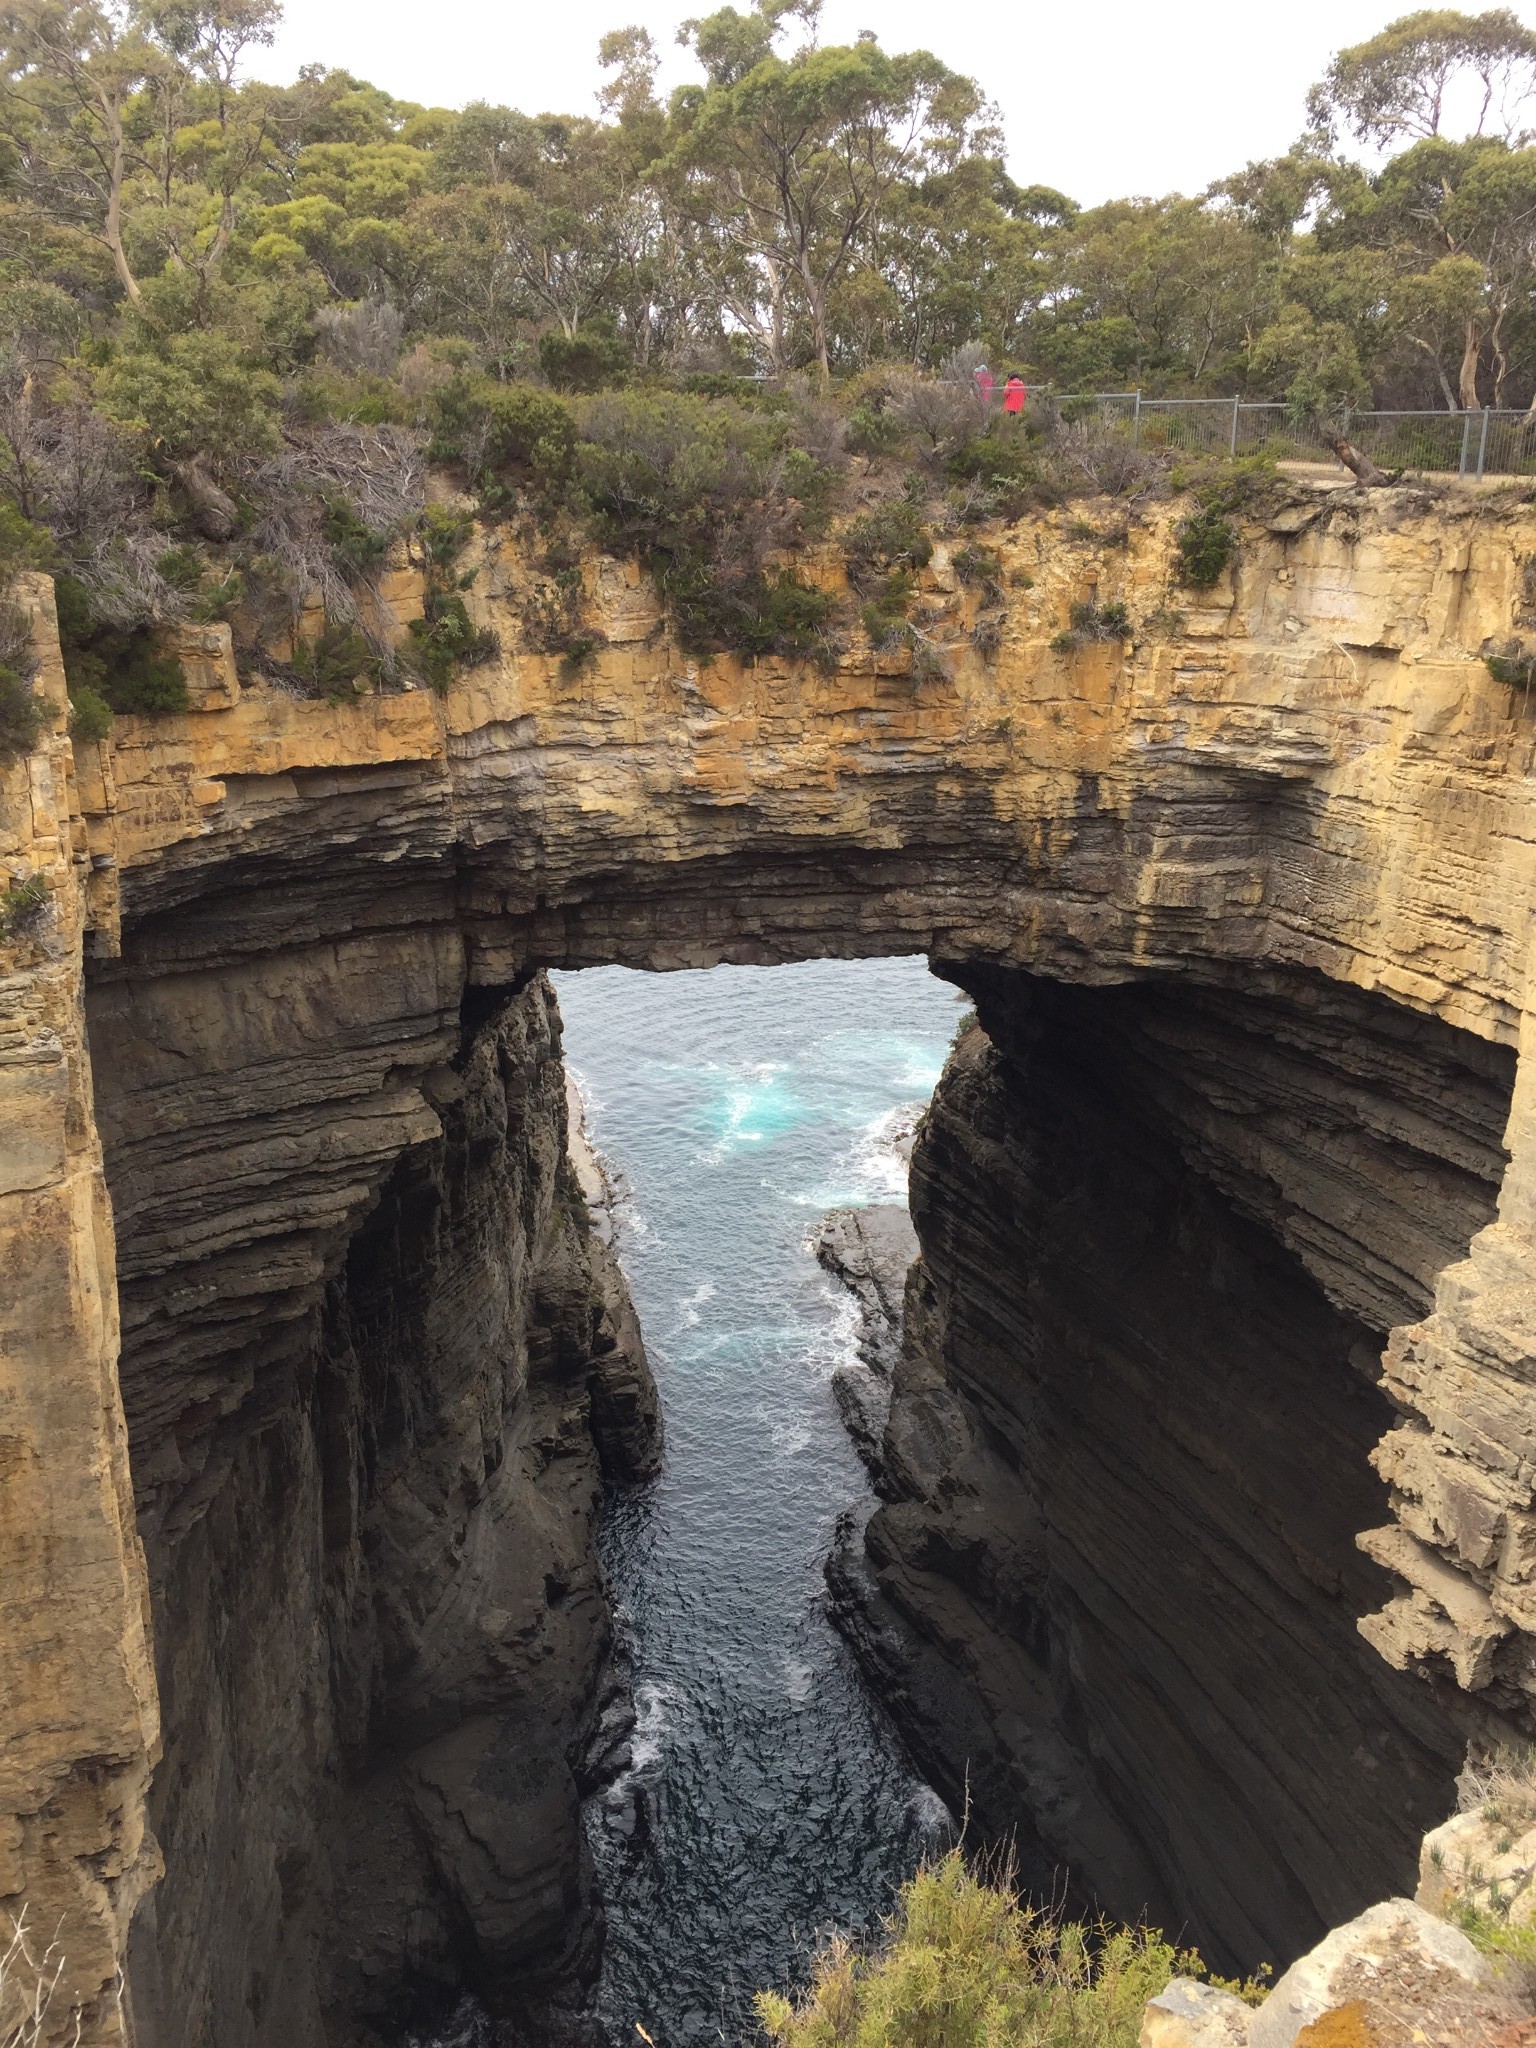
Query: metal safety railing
pixel 1487 442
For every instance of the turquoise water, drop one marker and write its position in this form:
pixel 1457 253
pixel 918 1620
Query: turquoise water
pixel 770 1798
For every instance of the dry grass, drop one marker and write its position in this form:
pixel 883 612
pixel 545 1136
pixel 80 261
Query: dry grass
pixel 29 1980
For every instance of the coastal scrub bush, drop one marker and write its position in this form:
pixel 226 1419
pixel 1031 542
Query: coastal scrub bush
pixel 21 720
pixel 703 493
pixel 90 715
pixel 512 440
pixel 1515 668
pixel 445 639
pixel 591 359
pixel 1206 540
pixel 333 663
pixel 21 904
pixel 120 666
pixel 1094 621
pixel 891 537
pixel 967 1964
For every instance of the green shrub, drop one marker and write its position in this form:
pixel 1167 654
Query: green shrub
pixel 967 1964
pixel 872 430
pixel 121 665
pixel 779 615
pixel 591 359
pixel 1093 621
pixel 90 715
pixel 1515 668
pixel 978 565
pixel 580 656
pixel 358 550
pixel 334 662
pixel 892 536
pixel 22 904
pixel 22 545
pixel 813 485
pixel 442 535
pixel 513 440
pixel 445 639
pixel 1207 539
pixel 704 493
pixel 883 613
pixel 21 717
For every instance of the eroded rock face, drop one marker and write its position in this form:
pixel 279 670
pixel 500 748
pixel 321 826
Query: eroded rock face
pixel 1165 1228
pixel 370 1530
pixel 1308 769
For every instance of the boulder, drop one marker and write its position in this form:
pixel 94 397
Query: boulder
pixel 1397 1974
pixel 1193 2015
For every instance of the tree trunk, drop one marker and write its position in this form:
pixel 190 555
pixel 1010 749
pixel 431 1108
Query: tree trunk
pixel 1360 465
pixel 1444 382
pixel 214 513
pixel 112 118
pixel 1470 357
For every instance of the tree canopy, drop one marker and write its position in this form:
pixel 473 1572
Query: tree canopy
pixel 237 313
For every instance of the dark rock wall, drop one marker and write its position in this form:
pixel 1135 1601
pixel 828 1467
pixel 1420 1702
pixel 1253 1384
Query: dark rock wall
pixel 1164 1229
pixel 369 1500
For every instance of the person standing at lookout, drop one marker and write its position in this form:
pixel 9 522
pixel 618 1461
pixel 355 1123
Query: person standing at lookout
pixel 1015 391
pixel 984 386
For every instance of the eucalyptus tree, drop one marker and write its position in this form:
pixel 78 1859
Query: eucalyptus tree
pixel 1456 225
pixel 1401 85
pixel 784 166
pixel 118 111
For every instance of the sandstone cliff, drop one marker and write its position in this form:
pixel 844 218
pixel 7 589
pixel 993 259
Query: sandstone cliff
pixel 1299 790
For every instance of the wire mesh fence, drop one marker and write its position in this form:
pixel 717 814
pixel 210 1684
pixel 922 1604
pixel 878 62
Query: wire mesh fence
pixel 1467 444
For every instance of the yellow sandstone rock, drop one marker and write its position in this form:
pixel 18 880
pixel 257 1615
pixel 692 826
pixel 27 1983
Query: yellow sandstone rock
pixel 1310 765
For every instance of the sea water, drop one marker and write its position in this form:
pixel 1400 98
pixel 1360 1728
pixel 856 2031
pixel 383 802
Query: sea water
pixel 769 1799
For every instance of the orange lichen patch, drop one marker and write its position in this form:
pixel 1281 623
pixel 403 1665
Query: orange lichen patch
pixel 1348 2026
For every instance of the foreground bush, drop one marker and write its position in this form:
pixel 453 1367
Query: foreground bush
pixel 966 1964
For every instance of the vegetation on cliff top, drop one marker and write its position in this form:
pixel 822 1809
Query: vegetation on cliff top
pixel 967 1964
pixel 237 321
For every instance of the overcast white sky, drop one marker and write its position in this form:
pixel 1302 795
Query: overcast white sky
pixel 1100 99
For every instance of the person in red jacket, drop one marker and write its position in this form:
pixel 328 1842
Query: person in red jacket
pixel 984 383
pixel 1015 391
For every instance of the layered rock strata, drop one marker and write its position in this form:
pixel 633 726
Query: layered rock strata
pixel 1307 769
pixel 370 1531
pixel 1166 1228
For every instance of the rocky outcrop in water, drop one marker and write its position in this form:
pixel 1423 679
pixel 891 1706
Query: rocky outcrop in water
pixel 869 1251
pixel 293 919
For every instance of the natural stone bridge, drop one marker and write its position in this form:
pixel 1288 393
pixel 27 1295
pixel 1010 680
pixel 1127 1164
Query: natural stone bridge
pixel 1245 903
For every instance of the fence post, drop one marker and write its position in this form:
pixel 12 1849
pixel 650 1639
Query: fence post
pixel 1482 446
pixel 1136 423
pixel 1235 404
pixel 1466 441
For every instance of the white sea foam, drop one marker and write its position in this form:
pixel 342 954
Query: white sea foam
pixel 690 1304
pixel 789 1434
pixel 874 1167
pixel 799 1680
pixel 931 1815
pixel 654 1704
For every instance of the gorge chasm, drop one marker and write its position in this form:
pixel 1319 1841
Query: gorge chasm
pixel 1206 1533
